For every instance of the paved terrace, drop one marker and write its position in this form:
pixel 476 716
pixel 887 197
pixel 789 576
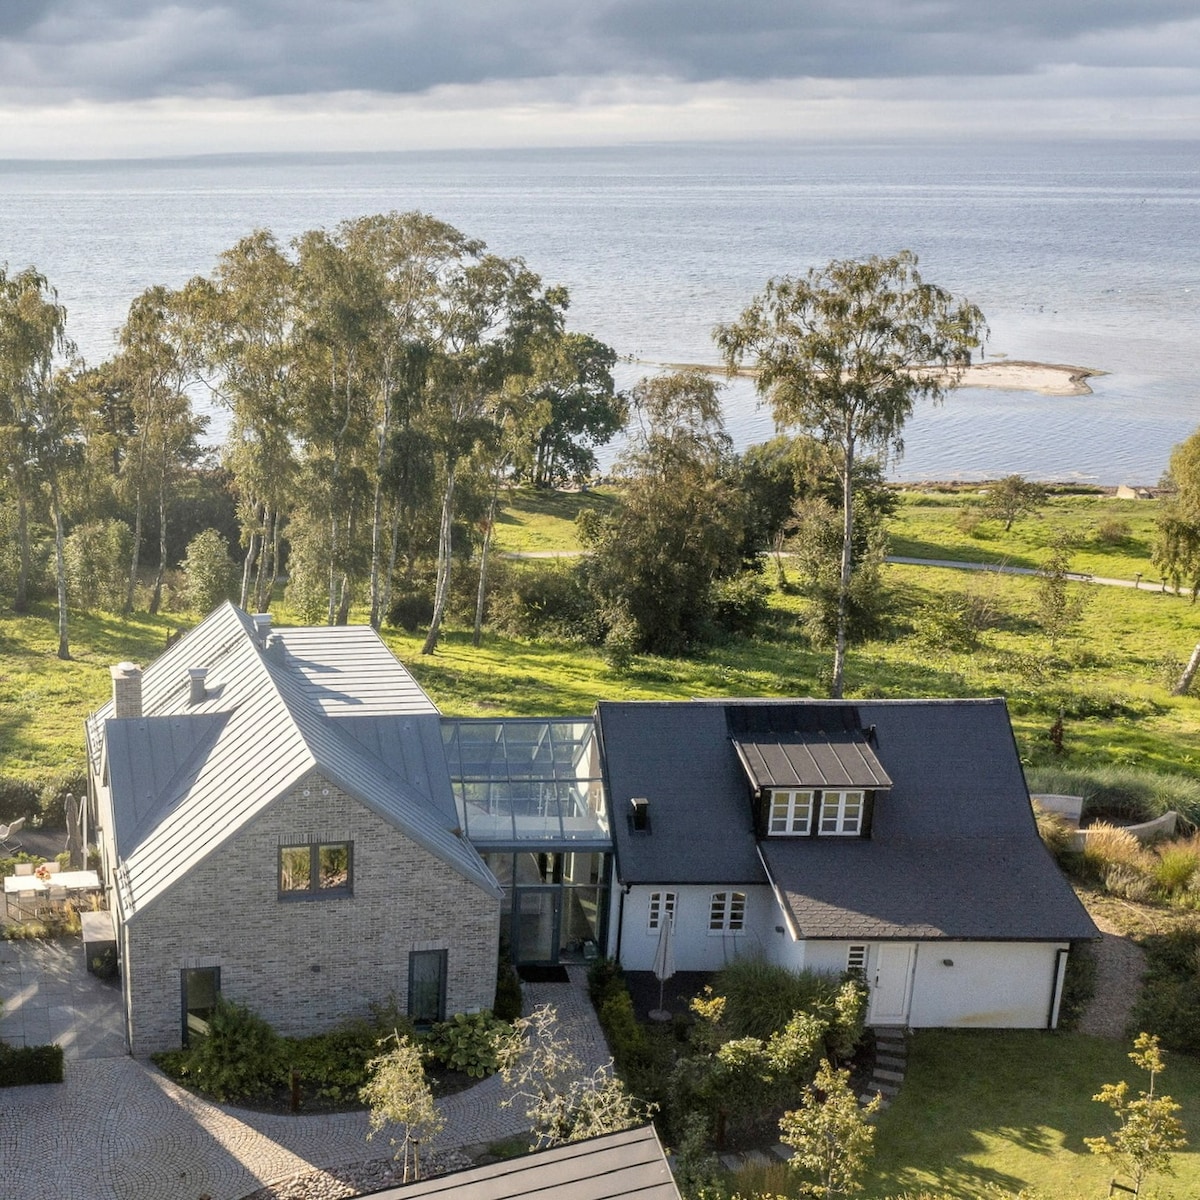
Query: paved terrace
pixel 117 1129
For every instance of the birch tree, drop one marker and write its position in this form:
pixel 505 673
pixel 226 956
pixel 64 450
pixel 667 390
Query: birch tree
pixel 843 352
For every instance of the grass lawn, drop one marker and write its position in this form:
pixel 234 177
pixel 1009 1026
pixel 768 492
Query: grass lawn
pixel 1011 1109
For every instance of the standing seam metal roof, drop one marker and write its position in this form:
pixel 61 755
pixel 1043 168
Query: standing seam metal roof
pixel 262 727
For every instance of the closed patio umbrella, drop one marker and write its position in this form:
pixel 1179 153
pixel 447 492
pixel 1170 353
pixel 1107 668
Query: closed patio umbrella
pixel 664 964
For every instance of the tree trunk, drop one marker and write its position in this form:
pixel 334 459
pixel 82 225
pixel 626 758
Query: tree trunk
pixel 136 557
pixel 390 573
pixel 248 564
pixel 839 649
pixel 442 591
pixel 1189 672
pixel 60 570
pixel 481 594
pixel 156 595
pixel 21 600
pixel 269 576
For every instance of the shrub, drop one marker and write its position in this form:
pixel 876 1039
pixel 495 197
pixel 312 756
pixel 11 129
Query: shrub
pixel 604 976
pixel 1169 1003
pixel 209 571
pixel 18 798
pixel 626 1038
pixel 509 1000
pixel 1079 985
pixel 239 1057
pixel 1113 532
pixel 410 610
pixel 761 997
pixel 544 600
pixel 1177 865
pixel 97 557
pixel 468 1042
pixel 739 603
pixel 333 1065
pixel 22 1065
pixel 53 795
pixel 1108 849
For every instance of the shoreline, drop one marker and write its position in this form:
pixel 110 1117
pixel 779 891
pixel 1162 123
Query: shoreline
pixel 1000 374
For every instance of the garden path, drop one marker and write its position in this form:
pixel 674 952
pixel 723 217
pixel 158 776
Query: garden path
pixel 1120 965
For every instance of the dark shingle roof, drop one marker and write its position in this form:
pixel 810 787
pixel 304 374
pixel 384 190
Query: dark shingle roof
pixel 677 756
pixel 953 852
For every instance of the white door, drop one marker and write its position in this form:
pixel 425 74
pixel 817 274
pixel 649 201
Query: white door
pixel 891 983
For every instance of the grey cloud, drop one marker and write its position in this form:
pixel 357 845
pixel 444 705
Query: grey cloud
pixel 115 49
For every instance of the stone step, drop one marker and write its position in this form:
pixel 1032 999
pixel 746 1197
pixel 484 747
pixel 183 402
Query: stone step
pixel 782 1152
pixel 892 1060
pixel 887 1076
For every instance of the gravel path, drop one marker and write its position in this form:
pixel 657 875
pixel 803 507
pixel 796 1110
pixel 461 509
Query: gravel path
pixel 1120 965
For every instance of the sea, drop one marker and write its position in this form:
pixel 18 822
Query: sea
pixel 1085 253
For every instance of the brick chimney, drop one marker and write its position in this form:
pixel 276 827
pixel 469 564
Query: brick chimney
pixel 127 690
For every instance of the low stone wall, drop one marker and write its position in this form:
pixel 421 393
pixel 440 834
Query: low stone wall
pixel 1070 808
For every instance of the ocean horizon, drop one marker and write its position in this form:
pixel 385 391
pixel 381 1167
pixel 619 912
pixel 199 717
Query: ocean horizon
pixel 1081 253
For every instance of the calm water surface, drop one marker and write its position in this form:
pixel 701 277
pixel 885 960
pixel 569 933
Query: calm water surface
pixel 1077 253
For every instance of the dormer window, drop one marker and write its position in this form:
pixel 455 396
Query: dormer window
pixel 791 813
pixel 841 813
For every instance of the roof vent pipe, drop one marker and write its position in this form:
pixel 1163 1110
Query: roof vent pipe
pixel 640 817
pixel 127 690
pixel 196 690
pixel 262 627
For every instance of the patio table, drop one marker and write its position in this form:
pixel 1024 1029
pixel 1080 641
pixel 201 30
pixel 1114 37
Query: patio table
pixel 73 881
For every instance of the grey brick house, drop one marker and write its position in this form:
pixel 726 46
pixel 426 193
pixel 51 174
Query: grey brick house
pixel 276 825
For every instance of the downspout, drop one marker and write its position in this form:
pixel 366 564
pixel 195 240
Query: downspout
pixel 1056 990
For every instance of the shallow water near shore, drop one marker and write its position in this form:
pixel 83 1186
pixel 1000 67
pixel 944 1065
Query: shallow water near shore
pixel 1082 253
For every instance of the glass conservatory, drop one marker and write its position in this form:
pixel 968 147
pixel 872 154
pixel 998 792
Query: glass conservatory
pixel 531 800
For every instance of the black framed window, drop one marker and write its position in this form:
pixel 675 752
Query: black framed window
pixel 199 988
pixel 312 870
pixel 427 986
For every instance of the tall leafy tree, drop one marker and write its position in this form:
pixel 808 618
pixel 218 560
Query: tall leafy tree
pixel 159 361
pixel 680 526
pixel 491 311
pixel 1176 551
pixel 248 314
pixel 843 353
pixel 37 421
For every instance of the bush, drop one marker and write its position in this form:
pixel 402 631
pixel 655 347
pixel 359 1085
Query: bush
pixel 1113 532
pixel 97 558
pixel 209 571
pixel 626 1038
pixel 53 796
pixel 468 1042
pixel 604 977
pixel 1079 985
pixel 509 1000
pixel 551 601
pixel 18 798
pixel 410 611
pixel 1108 849
pixel 22 1065
pixel 239 1058
pixel 1054 831
pixel 333 1065
pixel 739 603
pixel 761 997
pixel 1169 1004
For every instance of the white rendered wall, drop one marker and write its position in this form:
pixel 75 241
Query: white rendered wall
pixel 992 985
pixel 696 948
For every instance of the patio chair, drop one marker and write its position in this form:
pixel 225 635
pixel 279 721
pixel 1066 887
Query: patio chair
pixel 53 867
pixel 23 869
pixel 56 898
pixel 8 843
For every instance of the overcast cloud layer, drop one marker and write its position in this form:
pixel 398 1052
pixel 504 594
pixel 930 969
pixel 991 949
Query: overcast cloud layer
pixel 106 73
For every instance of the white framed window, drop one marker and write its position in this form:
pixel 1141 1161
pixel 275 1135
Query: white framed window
pixel 791 812
pixel 856 958
pixel 841 813
pixel 727 912
pixel 662 908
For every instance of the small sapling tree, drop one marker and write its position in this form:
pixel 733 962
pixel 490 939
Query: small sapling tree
pixel 1148 1131
pixel 397 1093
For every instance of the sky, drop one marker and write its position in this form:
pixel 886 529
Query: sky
pixel 118 78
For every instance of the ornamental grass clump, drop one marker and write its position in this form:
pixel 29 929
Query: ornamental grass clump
pixel 1177 870
pixel 1108 849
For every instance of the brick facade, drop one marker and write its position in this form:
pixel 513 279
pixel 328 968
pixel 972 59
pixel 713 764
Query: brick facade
pixel 305 965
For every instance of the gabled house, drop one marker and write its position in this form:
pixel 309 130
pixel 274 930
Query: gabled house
pixel 285 819
pixel 891 837
pixel 276 826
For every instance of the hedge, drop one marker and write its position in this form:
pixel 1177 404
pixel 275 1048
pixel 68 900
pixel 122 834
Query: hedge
pixel 21 1065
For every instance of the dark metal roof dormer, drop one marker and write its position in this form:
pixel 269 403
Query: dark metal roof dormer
pixel 812 759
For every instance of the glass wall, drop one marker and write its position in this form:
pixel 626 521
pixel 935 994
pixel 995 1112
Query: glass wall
pixel 526 781
pixel 531 801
